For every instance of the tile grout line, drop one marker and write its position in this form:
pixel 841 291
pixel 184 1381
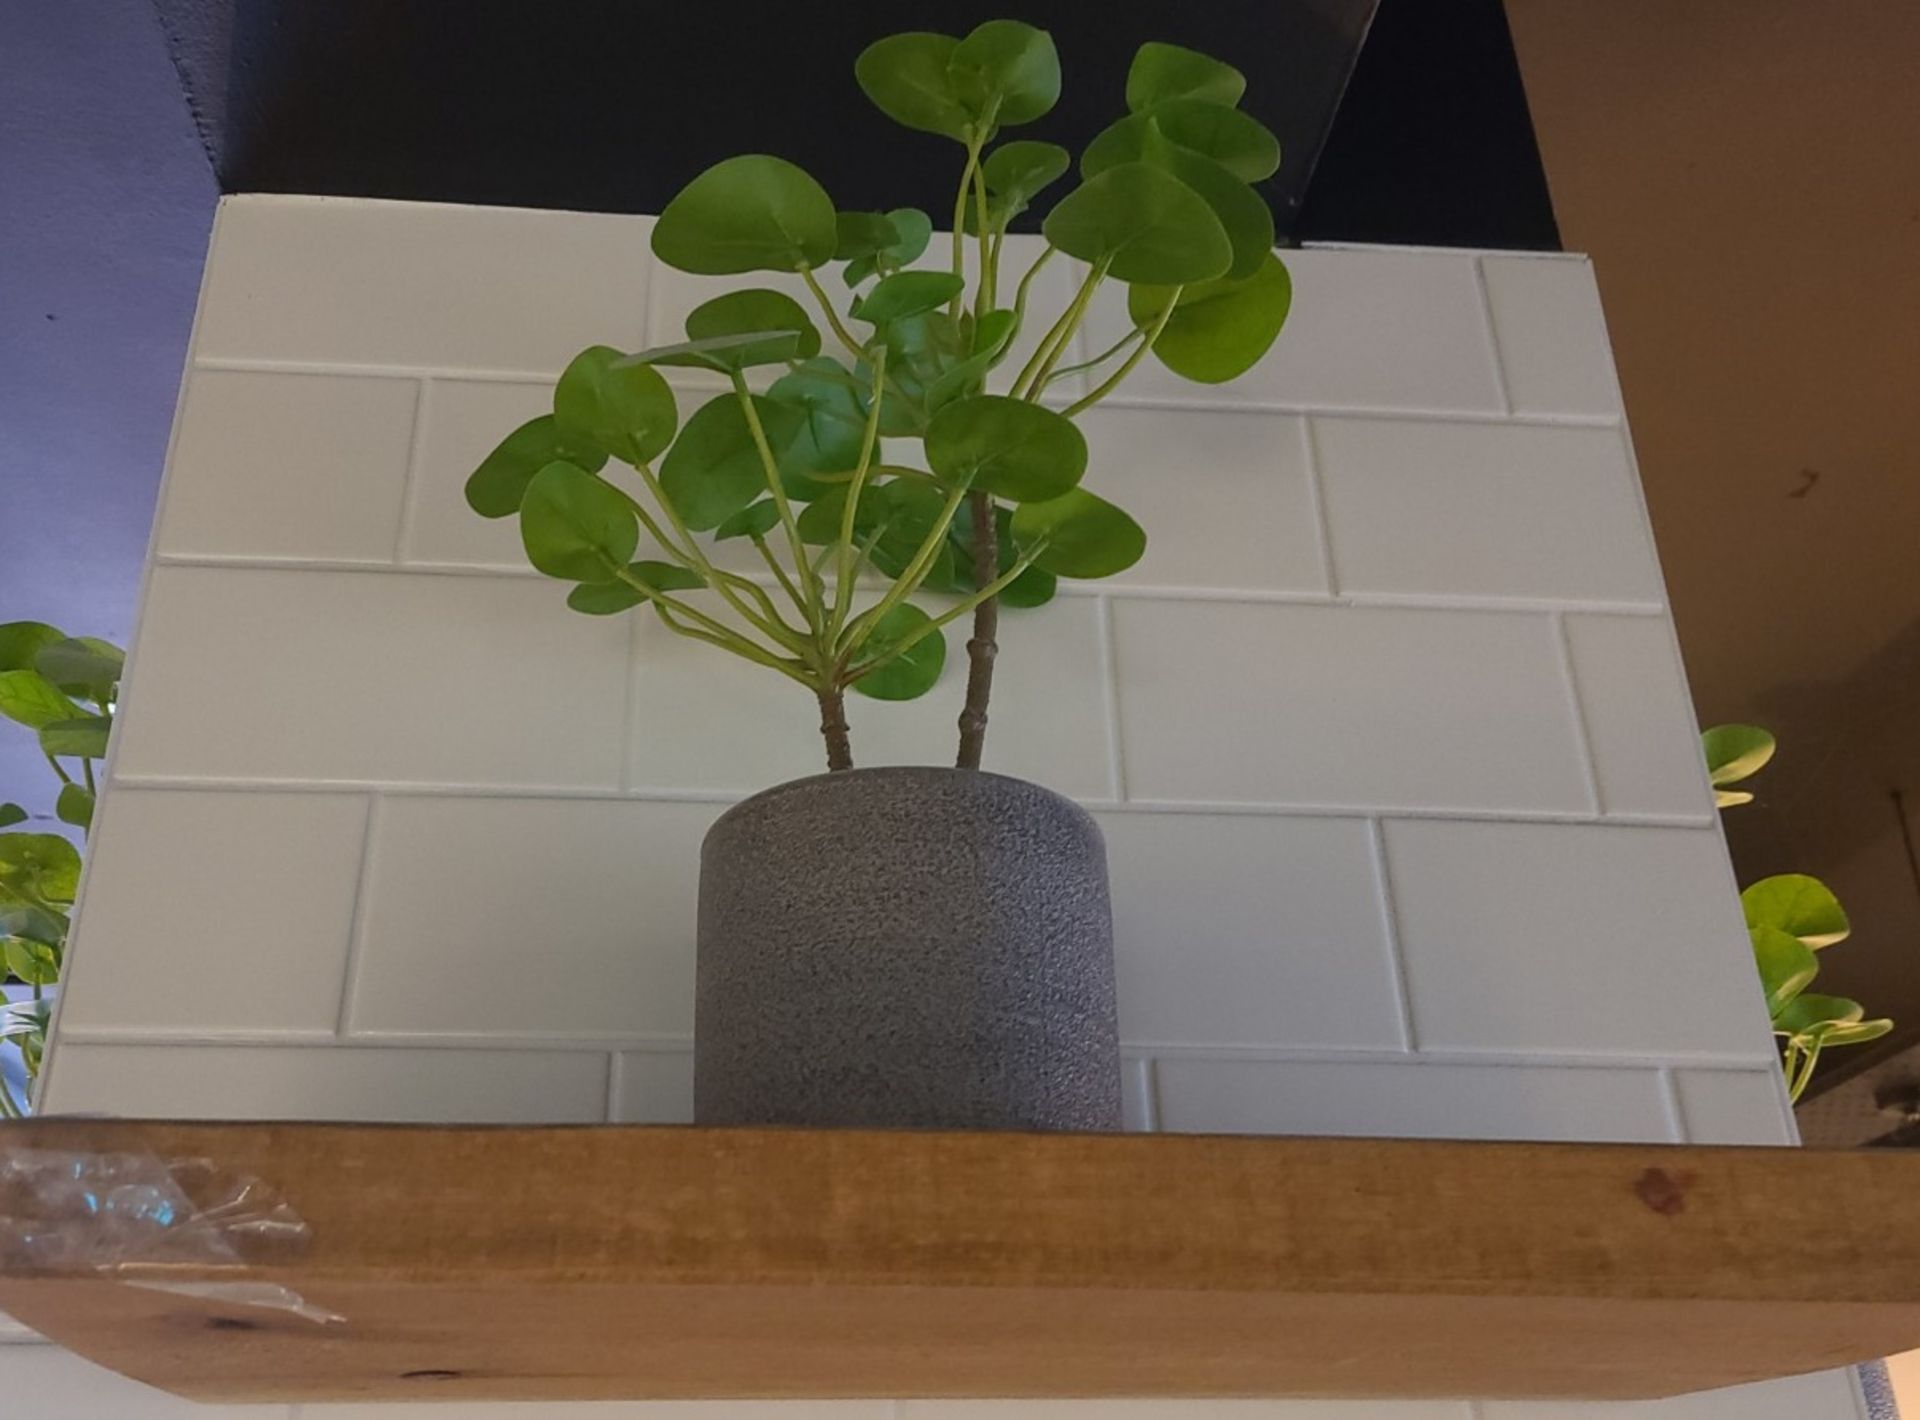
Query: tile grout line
pixel 1110 698
pixel 1122 400
pixel 649 794
pixel 357 922
pixel 1676 1111
pixel 1582 732
pixel 1317 502
pixel 1493 335
pixel 1465 603
pixel 1390 925
pixel 410 479
pixel 1149 1067
pixel 615 1102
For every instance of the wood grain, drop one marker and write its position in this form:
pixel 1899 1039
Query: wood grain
pixel 602 1263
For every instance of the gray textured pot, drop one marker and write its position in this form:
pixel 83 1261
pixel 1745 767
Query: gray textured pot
pixel 906 948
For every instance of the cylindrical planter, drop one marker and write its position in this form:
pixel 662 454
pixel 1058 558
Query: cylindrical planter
pixel 906 948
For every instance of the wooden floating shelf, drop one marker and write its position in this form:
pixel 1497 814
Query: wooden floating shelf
pixel 605 1263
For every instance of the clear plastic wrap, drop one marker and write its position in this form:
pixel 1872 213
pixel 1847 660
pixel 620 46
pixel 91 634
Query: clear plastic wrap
pixel 137 1217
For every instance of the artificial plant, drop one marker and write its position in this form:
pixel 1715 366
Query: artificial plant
pixel 63 689
pixel 852 530
pixel 1790 918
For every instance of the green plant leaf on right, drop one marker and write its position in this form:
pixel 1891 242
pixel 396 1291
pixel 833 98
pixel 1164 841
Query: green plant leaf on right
pixel 1801 906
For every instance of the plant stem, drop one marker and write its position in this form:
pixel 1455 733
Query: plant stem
pixel 9 1108
pixel 1027 386
pixel 984 293
pixel 779 572
pixel 771 624
pixel 65 778
pixel 1137 333
pixel 1108 385
pixel 992 589
pixel 983 646
pixel 960 216
pixel 771 467
pixel 833 316
pixel 833 727
pixel 908 582
pixel 843 549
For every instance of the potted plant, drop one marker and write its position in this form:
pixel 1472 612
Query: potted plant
pixel 903 946
pixel 63 689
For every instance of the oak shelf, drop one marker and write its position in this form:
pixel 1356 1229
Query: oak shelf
pixel 610 1263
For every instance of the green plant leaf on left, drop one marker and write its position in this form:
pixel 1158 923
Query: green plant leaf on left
pixel 1734 753
pixel 20 642
pixel 615 406
pixel 1219 329
pixel 1148 225
pixel 1786 965
pixel 714 468
pixel 607 598
pixel 30 699
pixel 750 213
pixel 43 864
pixel 75 805
pixel 907 78
pixel 82 665
pixel 1005 68
pixel 1168 71
pixel 576 526
pixel 792 333
pixel 10 814
pixel 84 737
pixel 494 489
pixel 1238 142
pixel 1799 905
pixel 907 293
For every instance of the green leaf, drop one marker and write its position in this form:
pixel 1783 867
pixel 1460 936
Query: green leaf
pixel 1798 905
pixel 1016 172
pixel 34 923
pixel 84 737
pixel 1239 143
pixel 35 963
pixel 82 665
pixel 1220 329
pixel 1809 1013
pixel 750 213
pixel 1086 535
pixel 989 338
pixel 31 699
pixel 1786 965
pixel 915 229
pixel 862 234
pixel 10 814
pixel 20 642
pixel 607 403
pixel 1736 752
pixel 828 426
pixel 907 78
pixel 1007 69
pixel 75 805
pixel 43 864
pixel 1023 452
pixel 754 520
pixel 1243 213
pixel 1167 71
pixel 792 333
pixel 911 674
pixel 494 489
pixel 576 526
pixel 1148 225
pixel 907 293
pixel 714 469
pixel 607 598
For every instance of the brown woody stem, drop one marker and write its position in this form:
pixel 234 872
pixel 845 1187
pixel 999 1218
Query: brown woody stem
pixel 833 728
pixel 982 646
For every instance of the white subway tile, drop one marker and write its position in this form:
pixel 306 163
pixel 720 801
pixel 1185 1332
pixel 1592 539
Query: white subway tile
pixel 281 465
pixel 1344 706
pixel 420 1086
pixel 279 872
pixel 1178 1409
pixel 248 673
pixel 1640 724
pixel 1423 1099
pixel 1825 1395
pixel 1238 929
pixel 1404 331
pixel 353 281
pixel 51 1384
pixel 653 1087
pixel 1223 496
pixel 1734 1106
pixel 531 917
pixel 1427 509
pixel 461 423
pixel 1573 937
pixel 1551 336
pixel 704 719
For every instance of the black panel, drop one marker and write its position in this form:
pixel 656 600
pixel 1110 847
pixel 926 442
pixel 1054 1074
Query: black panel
pixel 1433 145
pixel 612 105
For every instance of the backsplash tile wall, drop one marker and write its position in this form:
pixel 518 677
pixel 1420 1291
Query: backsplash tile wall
pixel 1388 735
